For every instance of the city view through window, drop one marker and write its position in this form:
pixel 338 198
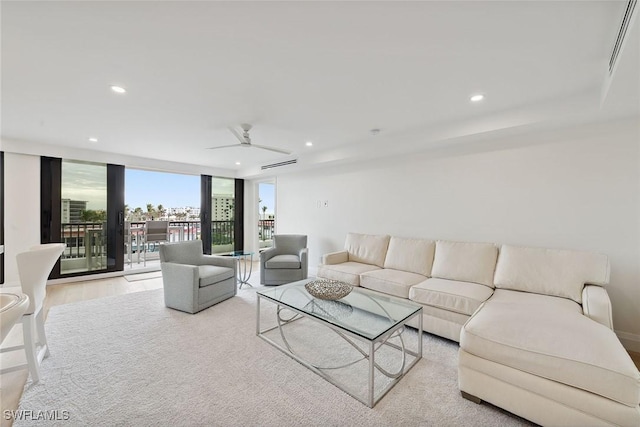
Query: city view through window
pixel 149 196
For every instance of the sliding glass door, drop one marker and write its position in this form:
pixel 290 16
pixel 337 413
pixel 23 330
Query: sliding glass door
pixel 82 206
pixel 222 215
pixel 83 210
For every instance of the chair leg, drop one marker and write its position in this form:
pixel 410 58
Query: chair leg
pixel 42 337
pixel 29 334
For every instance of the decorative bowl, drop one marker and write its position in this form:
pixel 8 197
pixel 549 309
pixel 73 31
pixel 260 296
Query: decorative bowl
pixel 328 289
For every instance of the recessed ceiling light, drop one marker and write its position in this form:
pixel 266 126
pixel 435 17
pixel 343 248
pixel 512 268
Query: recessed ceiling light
pixel 237 163
pixel 118 89
pixel 477 98
pixel 308 143
pixel 374 131
pixel 93 139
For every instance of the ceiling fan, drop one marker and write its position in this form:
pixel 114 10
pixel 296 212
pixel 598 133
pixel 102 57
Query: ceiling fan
pixel 245 140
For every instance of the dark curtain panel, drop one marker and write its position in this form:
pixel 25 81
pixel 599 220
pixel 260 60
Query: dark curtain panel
pixel 238 216
pixel 205 212
pixel 50 195
pixel 115 217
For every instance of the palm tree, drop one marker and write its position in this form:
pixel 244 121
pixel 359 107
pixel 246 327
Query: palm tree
pixel 150 210
pixel 264 212
pixel 161 210
pixel 137 213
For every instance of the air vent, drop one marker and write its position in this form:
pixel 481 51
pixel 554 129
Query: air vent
pixel 626 20
pixel 280 164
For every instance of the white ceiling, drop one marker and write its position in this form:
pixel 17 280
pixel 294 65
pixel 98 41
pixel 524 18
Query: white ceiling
pixel 326 72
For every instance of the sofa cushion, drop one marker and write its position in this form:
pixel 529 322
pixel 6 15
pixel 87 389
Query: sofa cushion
pixel 389 281
pixel 283 261
pixel 452 295
pixel 367 248
pixel 210 274
pixel 466 262
pixel 348 272
pixel 550 337
pixel 556 272
pixel 412 255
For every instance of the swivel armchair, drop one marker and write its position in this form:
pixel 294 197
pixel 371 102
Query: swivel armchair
pixel 287 261
pixel 194 281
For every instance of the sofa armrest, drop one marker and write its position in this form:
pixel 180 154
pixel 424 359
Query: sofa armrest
pixel 335 257
pixel 596 305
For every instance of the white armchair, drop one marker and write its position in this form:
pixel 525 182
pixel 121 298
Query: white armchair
pixel 194 281
pixel 287 261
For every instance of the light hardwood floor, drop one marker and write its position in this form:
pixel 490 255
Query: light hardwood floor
pixel 12 384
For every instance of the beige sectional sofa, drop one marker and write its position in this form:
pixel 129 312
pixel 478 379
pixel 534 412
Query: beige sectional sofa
pixel 534 325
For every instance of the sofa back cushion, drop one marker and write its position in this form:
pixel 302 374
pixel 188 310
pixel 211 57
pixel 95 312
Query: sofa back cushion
pixel 411 255
pixel 367 248
pixel 465 262
pixel 555 272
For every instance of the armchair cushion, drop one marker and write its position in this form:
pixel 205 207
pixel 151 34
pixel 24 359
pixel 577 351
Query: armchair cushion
pixel 283 261
pixel 210 274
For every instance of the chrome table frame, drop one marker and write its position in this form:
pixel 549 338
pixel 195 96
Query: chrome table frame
pixel 373 345
pixel 243 259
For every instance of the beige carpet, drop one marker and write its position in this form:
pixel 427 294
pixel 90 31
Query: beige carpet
pixel 128 360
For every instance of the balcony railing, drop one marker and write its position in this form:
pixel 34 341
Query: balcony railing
pixel 265 229
pixel 87 240
pixel 80 236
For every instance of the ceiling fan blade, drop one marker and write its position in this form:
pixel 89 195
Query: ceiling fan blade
pixel 277 150
pixel 223 146
pixel 237 135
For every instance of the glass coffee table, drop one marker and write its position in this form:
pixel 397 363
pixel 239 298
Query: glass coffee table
pixel 360 343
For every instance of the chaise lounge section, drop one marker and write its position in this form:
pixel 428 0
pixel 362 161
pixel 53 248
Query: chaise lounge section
pixel 534 325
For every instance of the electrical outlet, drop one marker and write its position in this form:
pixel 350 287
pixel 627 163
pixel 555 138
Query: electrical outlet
pixel 319 204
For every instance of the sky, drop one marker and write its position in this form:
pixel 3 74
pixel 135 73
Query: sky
pixel 170 190
pixel 268 197
pixel 87 181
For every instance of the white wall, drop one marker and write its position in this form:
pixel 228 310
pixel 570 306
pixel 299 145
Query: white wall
pixel 22 209
pixel 579 189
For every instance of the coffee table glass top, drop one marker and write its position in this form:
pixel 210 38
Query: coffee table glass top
pixel 362 312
